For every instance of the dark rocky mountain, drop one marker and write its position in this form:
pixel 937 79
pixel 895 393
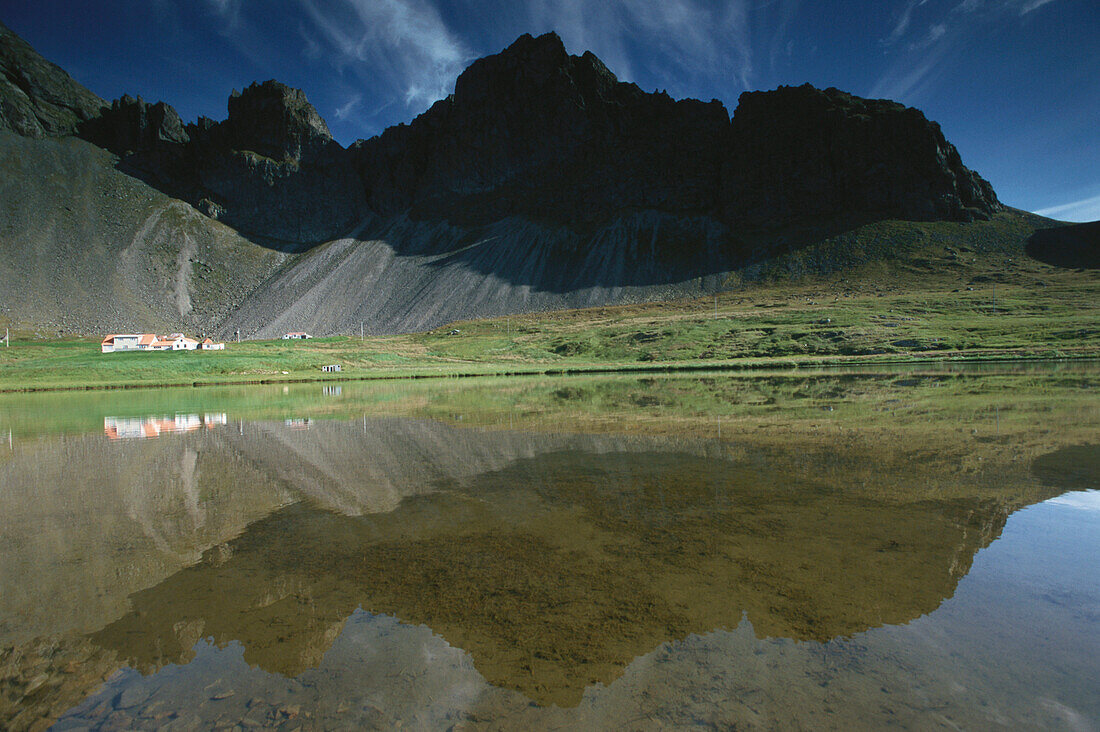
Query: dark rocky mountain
pixel 271 170
pixel 536 132
pixel 800 152
pixel 543 182
pixel 37 98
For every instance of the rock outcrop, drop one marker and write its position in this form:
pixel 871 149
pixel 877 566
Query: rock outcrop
pixel 37 98
pixel 533 131
pixel 801 152
pixel 133 125
pixel 536 132
pixel 271 169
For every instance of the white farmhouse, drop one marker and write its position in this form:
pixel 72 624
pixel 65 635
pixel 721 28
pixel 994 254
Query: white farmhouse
pixel 152 342
pixel 122 342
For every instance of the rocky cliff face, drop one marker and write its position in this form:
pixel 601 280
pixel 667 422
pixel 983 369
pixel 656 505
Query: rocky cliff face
pixel 270 170
pixel 536 132
pixel 803 152
pixel 531 132
pixel 37 98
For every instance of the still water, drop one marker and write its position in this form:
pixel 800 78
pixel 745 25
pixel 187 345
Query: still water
pixel 844 550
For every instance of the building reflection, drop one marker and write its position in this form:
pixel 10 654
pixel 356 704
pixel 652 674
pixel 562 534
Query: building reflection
pixel 133 428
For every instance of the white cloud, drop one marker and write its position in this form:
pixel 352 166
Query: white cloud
pixel 405 42
pixel 917 59
pixel 311 49
pixel 229 11
pixel 1081 500
pixel 690 36
pixel 1033 5
pixel 347 107
pixel 906 17
pixel 1086 209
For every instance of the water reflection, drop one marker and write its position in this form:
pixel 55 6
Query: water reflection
pixel 127 428
pixel 555 572
pixel 476 569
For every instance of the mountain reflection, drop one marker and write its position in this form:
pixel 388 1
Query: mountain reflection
pixel 556 570
pixel 555 531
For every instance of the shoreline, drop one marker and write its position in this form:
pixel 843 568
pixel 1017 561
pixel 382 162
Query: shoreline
pixel 500 370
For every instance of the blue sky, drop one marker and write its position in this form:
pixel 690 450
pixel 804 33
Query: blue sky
pixel 1014 83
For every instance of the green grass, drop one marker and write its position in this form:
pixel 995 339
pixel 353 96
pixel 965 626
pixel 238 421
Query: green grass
pixel 1004 310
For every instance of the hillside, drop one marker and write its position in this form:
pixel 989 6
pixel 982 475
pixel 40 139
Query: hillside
pixel 542 183
pixel 87 249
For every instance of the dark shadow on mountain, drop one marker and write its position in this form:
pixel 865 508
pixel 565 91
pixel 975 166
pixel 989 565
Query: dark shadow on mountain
pixel 1075 246
pixel 631 249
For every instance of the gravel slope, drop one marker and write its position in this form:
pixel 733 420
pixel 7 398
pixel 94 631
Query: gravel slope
pixel 86 249
pixel 400 276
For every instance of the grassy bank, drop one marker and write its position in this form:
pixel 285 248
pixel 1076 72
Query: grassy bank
pixel 1043 314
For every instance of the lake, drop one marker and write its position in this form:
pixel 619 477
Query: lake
pixel 913 548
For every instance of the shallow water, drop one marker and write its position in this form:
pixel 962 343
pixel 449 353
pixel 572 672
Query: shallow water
pixel 818 550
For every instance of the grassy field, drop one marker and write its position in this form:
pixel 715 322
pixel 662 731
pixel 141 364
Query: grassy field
pixel 1037 312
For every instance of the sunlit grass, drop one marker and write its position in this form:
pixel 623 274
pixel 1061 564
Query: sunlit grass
pixel 806 324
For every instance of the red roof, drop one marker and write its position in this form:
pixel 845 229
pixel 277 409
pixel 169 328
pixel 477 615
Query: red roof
pixel 108 339
pixel 147 339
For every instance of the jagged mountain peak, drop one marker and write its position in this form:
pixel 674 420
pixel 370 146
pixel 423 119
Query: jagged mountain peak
pixel 275 120
pixel 533 70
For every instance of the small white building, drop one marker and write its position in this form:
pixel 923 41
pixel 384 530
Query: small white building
pixel 296 336
pixel 331 367
pixel 210 345
pixel 175 342
pixel 121 342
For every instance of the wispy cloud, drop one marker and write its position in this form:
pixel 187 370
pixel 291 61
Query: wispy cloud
pixel 405 42
pixel 781 45
pixel 905 19
pixel 687 35
pixel 1027 7
pixel 229 11
pixel 348 107
pixel 311 49
pixel 1081 500
pixel 925 37
pixel 1086 209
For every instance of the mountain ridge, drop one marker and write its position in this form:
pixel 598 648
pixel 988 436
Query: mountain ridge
pixel 542 182
pixel 537 132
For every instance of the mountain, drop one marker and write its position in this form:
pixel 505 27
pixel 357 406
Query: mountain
pixel 37 98
pixel 542 182
pixel 536 132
